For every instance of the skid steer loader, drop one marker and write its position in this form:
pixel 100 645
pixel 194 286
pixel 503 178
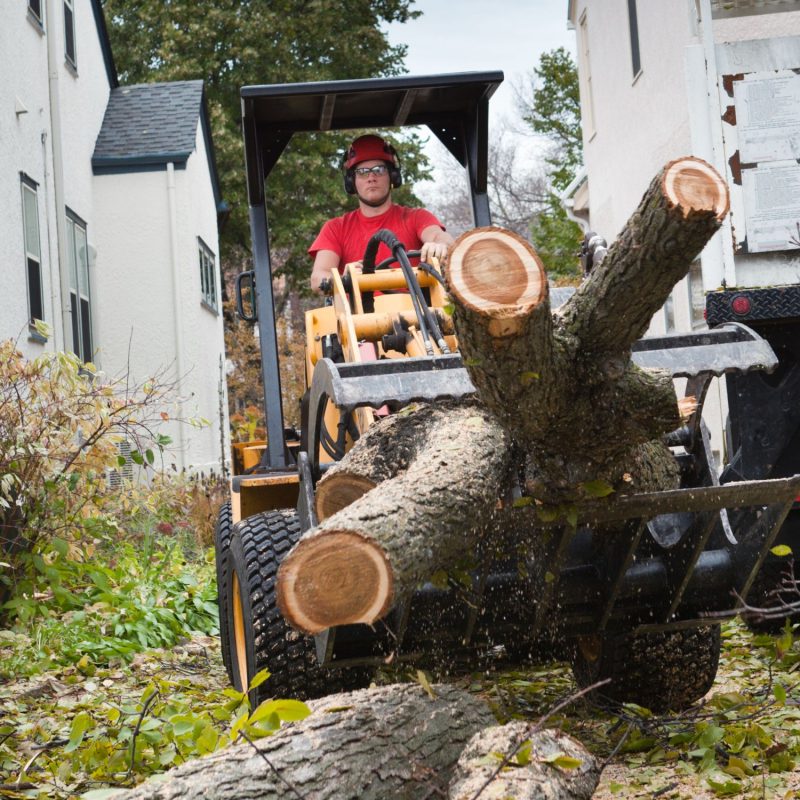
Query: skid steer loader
pixel 632 605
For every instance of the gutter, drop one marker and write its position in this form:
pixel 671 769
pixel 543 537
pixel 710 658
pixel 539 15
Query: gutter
pixel 53 66
pixel 177 312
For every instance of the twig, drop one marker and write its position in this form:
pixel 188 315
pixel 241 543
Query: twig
pixel 145 708
pixel 271 765
pixel 535 728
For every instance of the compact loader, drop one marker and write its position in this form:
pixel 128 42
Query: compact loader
pixel 641 607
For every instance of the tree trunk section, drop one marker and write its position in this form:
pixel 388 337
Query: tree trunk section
pixel 533 773
pixel 354 565
pixel 680 211
pixel 374 744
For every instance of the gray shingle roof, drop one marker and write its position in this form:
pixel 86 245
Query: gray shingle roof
pixel 149 124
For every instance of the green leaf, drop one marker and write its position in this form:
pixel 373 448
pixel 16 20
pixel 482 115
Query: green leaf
pixel 60 546
pixel 80 724
pixel 527 377
pixel 723 787
pixel 563 761
pixel 259 678
pixel 448 309
pixel 121 462
pixel 571 515
pixel 597 488
pixel 423 681
pixel 549 577
pixel 522 502
pixel 781 550
pixel 472 362
pixel 780 694
pixel 148 454
pixel 137 457
pixel 523 757
pixel 286 710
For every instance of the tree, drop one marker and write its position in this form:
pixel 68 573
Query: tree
pixel 551 106
pixel 233 43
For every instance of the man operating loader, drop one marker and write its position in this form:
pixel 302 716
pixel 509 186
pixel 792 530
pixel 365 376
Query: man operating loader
pixel 371 170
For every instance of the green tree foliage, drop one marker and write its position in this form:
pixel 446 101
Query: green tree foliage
pixel 234 43
pixel 552 109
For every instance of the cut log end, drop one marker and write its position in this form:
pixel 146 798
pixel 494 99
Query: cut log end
pixel 496 274
pixel 338 492
pixel 338 577
pixel 694 185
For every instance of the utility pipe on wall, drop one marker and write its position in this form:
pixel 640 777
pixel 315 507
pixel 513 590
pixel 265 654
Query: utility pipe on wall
pixel 54 58
pixel 177 313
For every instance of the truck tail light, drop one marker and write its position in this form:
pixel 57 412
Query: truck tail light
pixel 740 305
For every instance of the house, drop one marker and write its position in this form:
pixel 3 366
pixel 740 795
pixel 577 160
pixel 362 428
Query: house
pixel 110 200
pixel 661 80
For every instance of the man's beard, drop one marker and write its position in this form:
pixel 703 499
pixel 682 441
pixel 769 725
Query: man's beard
pixel 375 203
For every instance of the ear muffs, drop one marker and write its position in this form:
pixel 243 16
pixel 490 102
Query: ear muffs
pixel 393 162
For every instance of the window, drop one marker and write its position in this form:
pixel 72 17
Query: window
pixel 208 275
pixel 69 33
pixel 35 11
pixel 634 28
pixel 79 295
pixel 33 253
pixel 587 104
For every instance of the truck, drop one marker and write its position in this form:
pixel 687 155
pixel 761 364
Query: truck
pixel 641 607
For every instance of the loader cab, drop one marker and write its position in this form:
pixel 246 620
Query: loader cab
pixel 453 107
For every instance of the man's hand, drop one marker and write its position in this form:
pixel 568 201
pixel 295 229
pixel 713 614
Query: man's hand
pixel 431 250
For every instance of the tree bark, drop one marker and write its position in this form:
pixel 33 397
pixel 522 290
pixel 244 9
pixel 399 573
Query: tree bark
pixel 534 772
pixel 373 744
pixel 353 566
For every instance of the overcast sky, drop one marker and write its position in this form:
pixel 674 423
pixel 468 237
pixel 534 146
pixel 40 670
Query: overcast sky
pixel 470 35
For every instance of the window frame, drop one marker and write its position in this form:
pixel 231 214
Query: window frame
pixel 27 184
pixel 585 77
pixel 81 306
pixel 633 28
pixel 36 17
pixel 208 276
pixel 69 31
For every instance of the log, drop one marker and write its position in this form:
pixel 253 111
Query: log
pixel 373 744
pixel 587 407
pixel 354 565
pixel 558 390
pixel 534 772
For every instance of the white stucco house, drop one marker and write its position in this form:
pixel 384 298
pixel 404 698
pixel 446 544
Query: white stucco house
pixel 661 80
pixel 110 201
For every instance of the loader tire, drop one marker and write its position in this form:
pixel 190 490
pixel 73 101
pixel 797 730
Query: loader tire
pixel 222 541
pixel 258 635
pixel 662 671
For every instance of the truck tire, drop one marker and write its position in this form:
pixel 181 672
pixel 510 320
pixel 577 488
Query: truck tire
pixel 222 541
pixel 662 671
pixel 258 635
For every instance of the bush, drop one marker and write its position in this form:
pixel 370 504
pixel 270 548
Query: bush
pixel 60 427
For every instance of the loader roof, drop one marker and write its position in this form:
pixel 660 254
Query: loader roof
pixel 454 106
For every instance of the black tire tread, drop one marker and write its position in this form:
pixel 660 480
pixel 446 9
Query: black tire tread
pixel 222 541
pixel 663 671
pixel 290 657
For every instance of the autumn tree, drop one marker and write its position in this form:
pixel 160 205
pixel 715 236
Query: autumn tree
pixel 233 43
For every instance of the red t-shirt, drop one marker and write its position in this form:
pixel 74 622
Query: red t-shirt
pixel 348 235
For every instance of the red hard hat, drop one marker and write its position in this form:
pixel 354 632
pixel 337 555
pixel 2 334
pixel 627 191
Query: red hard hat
pixel 369 148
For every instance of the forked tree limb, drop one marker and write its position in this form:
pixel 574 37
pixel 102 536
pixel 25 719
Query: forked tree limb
pixel 680 211
pixel 353 566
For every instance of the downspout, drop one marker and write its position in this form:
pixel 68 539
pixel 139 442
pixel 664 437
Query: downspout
pixel 53 66
pixel 177 314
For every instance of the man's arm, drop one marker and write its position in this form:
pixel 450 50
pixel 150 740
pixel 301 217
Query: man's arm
pixel 435 243
pixel 325 262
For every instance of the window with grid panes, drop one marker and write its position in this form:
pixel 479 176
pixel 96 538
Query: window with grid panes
pixel 208 275
pixel 80 305
pixel 33 254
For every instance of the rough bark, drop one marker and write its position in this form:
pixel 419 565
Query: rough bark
pixel 353 566
pixel 386 449
pixel 563 384
pixel 387 742
pixel 533 775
